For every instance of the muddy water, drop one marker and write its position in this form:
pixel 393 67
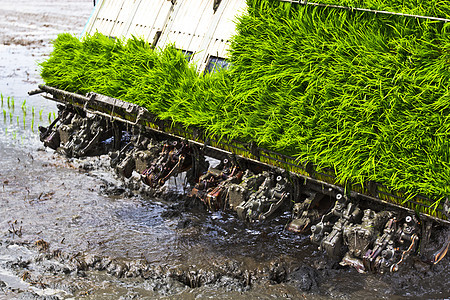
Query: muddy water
pixel 66 232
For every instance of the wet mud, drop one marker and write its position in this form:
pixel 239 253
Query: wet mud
pixel 71 228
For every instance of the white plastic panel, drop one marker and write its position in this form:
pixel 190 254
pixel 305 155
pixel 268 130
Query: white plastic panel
pixel 124 18
pixel 201 28
pixel 149 18
pixel 125 14
pixel 188 24
pixel 227 24
pixel 191 25
pixel 221 29
pixel 106 16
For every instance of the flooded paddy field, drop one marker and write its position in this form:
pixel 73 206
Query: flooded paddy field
pixel 70 229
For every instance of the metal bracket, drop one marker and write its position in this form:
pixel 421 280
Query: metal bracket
pixel 216 5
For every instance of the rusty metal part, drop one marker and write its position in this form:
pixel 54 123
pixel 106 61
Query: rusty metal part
pixel 174 158
pixel 271 194
pixel 328 232
pixel 406 253
pixel 354 262
pixel 212 187
pixel 394 246
pixel 357 242
pixel 380 244
pixel 333 242
pixel 359 237
pixel 49 137
pixel 440 254
pixel 306 213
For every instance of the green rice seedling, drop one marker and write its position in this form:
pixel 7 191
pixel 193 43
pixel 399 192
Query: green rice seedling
pixel 8 102
pixel 32 111
pixel 32 119
pixel 40 114
pixel 10 117
pixel 1 97
pixel 18 123
pixel 4 116
pixel 49 117
pixel 54 116
pixel 12 103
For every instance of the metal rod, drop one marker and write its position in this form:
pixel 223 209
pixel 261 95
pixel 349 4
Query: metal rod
pixel 55 91
pixel 366 10
pixel 35 92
